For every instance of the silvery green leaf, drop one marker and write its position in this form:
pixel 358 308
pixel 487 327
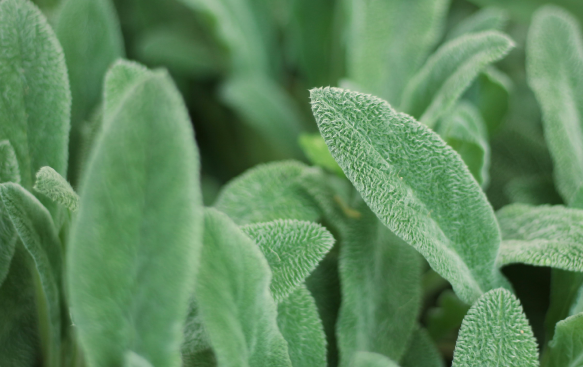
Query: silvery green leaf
pixel 317 152
pixel 235 304
pixel 422 352
pixel 523 9
pixel 417 186
pixel 486 19
pixel 140 205
pixel 55 187
pixel 9 170
pixel 495 332
pixel 370 359
pixel 292 249
pixel 438 85
pixel 566 348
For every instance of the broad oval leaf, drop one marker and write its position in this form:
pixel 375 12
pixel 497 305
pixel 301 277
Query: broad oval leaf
pixel 55 187
pixel 9 170
pixel 566 348
pixel 553 64
pixel 495 332
pixel 416 185
pixel 235 304
pixel 135 242
pixel 435 89
pixel 292 249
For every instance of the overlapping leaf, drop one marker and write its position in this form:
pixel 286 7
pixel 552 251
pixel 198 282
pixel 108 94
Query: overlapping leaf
pixel 9 170
pixel 566 348
pixel 422 352
pixel 369 359
pixel 55 187
pixel 565 296
pixel 317 152
pixel 486 19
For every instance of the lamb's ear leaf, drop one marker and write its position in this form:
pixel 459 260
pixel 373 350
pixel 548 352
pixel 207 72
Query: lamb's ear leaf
pixel 464 130
pixel 55 187
pixel 389 40
pixel 233 297
pixel 447 317
pixel 292 249
pixel 495 332
pixel 36 104
pixel 36 231
pixel 566 293
pixel 379 273
pixel 417 186
pixel 119 82
pixel 301 326
pixel 371 359
pixel 133 359
pixel 541 236
pixel 438 85
pixel 566 348
pixel 148 219
pixel 9 170
pixel 485 19
pixel 268 192
pixel 422 351
pixel 317 152
pixel 554 52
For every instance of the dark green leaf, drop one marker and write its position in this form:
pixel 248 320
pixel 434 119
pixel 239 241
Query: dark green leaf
pixel 317 152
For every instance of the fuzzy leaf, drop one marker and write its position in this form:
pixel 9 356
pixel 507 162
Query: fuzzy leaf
pixel 435 89
pixel 9 170
pixel 389 40
pixel 422 352
pixel 416 185
pixel 566 348
pixel 381 290
pixel 232 292
pixel 36 230
pixel 369 359
pixel 301 326
pixel 495 332
pixel 267 192
pixel 119 84
pixel 135 360
pixel 35 103
pixel 292 249
pixel 140 206
pixel 486 19
pixel 541 236
pixel 490 93
pixel 447 317
pixel 55 187
pixel 317 152
pixel 554 61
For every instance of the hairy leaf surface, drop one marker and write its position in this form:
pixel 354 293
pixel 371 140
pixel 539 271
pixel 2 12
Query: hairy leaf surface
pixel 422 352
pixel 9 170
pixel 369 359
pixel 486 19
pixel 566 348
pixel 490 93
pixel 55 187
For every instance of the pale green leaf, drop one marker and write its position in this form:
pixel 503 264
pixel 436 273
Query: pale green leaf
pixel 301 326
pixel 317 152
pixel 9 170
pixel 422 352
pixel 389 40
pixel 369 359
pixel 541 236
pixel 134 245
pixel 486 19
pixel 8 239
pixel 495 332
pixel 566 348
pixel 55 187
pixel 268 192
pixel 232 293
pixel 554 62
pixel 416 185
pixel 523 9
pixel 381 290
pixel 119 85
pixel 292 249
pixel 435 89
pixel 135 360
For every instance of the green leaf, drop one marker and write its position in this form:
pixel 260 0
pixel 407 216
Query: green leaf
pixel 443 320
pixel 119 83
pixel 380 276
pixel 55 187
pixel 9 170
pixel 464 130
pixel 495 332
pixel 301 326
pixel 435 89
pixel 389 40
pixel 292 249
pixel 36 102
pixel 523 9
pixel 36 230
pixel 541 236
pixel 369 359
pixel 566 348
pixel 317 152
pixel 422 352
pixel 232 292
pixel 486 19
pixel 135 360
pixel 554 56
pixel 565 296
pixel 268 192
pixel 416 185
pixel 134 245
pixel 533 190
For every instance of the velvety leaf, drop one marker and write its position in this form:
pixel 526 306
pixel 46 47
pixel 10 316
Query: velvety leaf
pixel 36 231
pixel 292 249
pixel 301 326
pixel 8 239
pixel 35 103
pixel 140 206
pixel 486 19
pixel 317 152
pixel 415 184
pixel 541 236
pixel 564 298
pixel 422 352
pixel 490 93
pixel 554 58
pixel 123 77
pixel 495 332
pixel 232 292
pixel 447 317
pixel 523 9
pixel 533 190
pixel 267 192
pixel 9 170
pixel 435 89
pixel 55 187
pixel 566 348
pixel 135 360
pixel 369 359
pixel 380 276
pixel 389 40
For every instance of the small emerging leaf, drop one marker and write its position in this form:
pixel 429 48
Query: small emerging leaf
pixel 55 187
pixel 566 348
pixel 317 152
pixel 9 171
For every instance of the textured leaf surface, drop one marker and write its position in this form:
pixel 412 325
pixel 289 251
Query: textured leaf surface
pixel 415 184
pixel 554 62
pixel 381 290
pixel 9 170
pixel 542 236
pixel 389 40
pixel 135 242
pixel 292 249
pixel 486 19
pixel 135 360
pixel 566 348
pixel 267 192
pixel 317 152
pixel 422 352
pixel 490 93
pixel 301 326
pixel 369 359
pixel 234 300
pixel 447 317
pixel 55 187
pixel 495 332
pixel 435 89
pixel 35 103
pixel 566 296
